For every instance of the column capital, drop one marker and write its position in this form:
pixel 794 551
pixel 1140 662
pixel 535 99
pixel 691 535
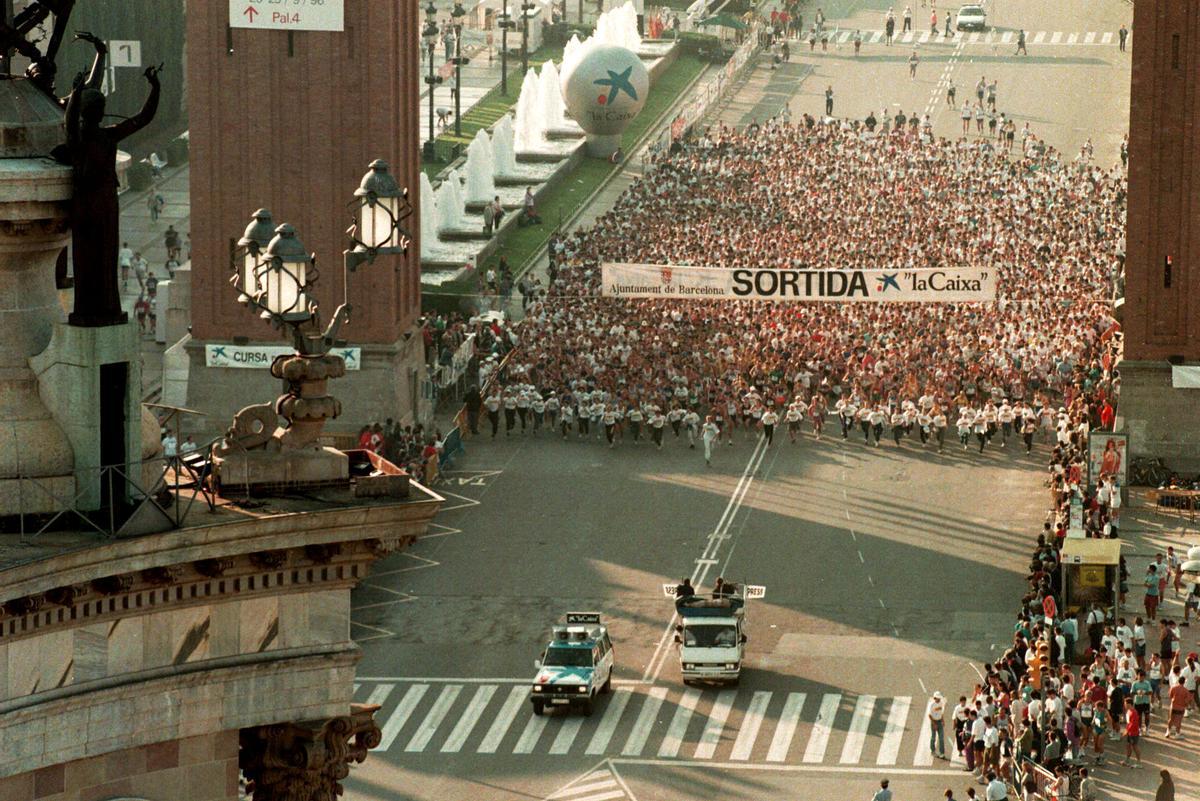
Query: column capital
pixel 307 760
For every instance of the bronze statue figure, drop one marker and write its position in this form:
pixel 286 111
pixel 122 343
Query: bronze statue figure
pixel 91 150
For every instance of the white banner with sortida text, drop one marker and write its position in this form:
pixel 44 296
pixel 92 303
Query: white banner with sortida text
pixel 939 285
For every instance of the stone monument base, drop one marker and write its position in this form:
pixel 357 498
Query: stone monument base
pixel 265 470
pixel 1160 420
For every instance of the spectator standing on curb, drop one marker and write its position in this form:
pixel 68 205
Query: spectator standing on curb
pixel 913 61
pixel 1122 35
pixel 829 101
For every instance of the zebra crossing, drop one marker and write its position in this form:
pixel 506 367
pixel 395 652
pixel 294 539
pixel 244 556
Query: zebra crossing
pixel 432 716
pixel 991 37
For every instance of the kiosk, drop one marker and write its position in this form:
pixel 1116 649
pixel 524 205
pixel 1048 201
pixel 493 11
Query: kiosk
pixel 1091 574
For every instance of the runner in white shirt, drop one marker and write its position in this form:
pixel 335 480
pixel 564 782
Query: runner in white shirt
pixel 939 427
pixel 691 421
pixel 793 416
pixel 769 419
pixel 709 433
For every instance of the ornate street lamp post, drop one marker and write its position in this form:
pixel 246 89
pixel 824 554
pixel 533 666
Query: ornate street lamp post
pixel 526 7
pixel 505 24
pixel 274 275
pixel 458 13
pixel 430 33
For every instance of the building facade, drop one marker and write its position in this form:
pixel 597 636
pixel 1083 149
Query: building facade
pixel 289 121
pixel 1161 315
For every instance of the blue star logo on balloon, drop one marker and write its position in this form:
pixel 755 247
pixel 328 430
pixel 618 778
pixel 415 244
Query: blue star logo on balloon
pixel 623 82
pixel 617 83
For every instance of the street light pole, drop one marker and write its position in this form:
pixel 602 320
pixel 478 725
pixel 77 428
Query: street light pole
pixel 432 80
pixel 525 7
pixel 458 13
pixel 504 23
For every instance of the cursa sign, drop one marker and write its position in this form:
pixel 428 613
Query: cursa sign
pixel 261 356
pixel 948 285
pixel 605 89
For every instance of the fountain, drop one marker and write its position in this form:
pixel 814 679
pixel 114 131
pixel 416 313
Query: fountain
pixel 504 154
pixel 530 128
pixel 571 54
pixel 618 26
pixel 480 185
pixel 450 203
pixel 550 95
pixel 429 218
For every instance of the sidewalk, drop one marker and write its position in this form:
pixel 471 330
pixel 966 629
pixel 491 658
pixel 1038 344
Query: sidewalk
pixel 1144 534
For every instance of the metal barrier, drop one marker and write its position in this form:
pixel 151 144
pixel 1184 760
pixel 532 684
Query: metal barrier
pixel 712 92
pixel 112 495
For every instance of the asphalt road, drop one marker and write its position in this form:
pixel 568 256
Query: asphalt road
pixel 890 572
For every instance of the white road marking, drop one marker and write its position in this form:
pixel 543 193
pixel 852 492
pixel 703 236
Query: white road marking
pixel 893 732
pixel 923 757
pixel 856 736
pixel 499 727
pixel 785 730
pixel 356 686
pixel 598 796
pixel 876 37
pixel 587 788
pixel 1039 37
pixel 529 737
pixel 401 714
pixel 907 37
pixel 380 693
pixel 608 723
pixel 924 37
pixel 974 37
pixel 645 721
pixel 679 724
pixel 710 738
pixel 437 713
pixel 1056 37
pixel 743 746
pixel 566 735
pixel 772 768
pixel 719 534
pixel 1089 37
pixel 1107 38
pixel 1006 38
pixel 818 741
pixel 1072 38
pixel 470 717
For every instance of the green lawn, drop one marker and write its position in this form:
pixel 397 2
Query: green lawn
pixel 490 108
pixel 519 245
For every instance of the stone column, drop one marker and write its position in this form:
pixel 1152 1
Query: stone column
pixel 306 761
pixel 34 196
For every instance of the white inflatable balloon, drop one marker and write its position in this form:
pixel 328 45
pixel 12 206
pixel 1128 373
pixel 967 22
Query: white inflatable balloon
pixel 604 89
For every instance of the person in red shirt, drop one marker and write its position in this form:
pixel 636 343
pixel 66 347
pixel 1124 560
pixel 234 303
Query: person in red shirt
pixel 1180 698
pixel 1107 415
pixel 1133 732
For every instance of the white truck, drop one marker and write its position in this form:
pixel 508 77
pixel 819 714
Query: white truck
pixel 711 633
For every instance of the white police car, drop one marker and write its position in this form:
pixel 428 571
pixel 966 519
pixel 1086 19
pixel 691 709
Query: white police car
pixel 576 666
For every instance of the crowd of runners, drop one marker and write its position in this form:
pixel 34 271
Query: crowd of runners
pixel 828 196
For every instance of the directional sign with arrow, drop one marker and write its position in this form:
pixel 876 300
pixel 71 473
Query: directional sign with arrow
pixel 295 15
